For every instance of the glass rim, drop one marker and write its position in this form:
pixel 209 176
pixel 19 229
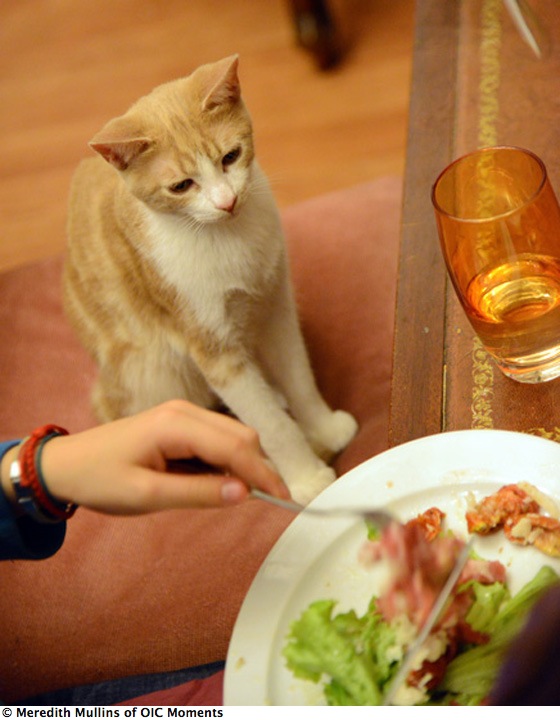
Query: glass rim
pixel 482 151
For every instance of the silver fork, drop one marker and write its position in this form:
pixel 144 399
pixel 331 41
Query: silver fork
pixel 380 518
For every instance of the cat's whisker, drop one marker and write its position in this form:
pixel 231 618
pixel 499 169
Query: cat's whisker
pixel 259 187
pixel 190 223
pixel 194 224
pixel 275 179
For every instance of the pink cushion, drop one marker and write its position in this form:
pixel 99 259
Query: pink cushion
pixel 129 596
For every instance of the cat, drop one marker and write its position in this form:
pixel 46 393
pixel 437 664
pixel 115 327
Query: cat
pixel 176 276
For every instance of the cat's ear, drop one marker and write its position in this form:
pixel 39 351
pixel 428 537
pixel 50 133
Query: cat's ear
pixel 223 84
pixel 121 153
pixel 119 144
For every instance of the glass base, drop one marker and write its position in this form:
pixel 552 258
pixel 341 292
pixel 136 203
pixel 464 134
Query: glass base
pixel 532 369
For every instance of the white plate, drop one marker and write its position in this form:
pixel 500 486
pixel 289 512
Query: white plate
pixel 317 558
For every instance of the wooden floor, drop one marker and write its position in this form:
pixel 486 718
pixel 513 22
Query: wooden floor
pixel 67 66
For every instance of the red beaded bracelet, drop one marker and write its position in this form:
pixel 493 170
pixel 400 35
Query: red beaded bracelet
pixel 29 485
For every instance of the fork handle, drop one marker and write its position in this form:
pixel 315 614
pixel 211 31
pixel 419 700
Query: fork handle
pixel 280 502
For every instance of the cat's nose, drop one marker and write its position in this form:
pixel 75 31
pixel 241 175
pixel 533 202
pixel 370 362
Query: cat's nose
pixel 229 204
pixel 223 197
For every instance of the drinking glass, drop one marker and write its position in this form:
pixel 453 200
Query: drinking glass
pixel 499 226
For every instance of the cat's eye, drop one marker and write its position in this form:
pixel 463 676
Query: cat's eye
pixel 182 186
pixel 230 157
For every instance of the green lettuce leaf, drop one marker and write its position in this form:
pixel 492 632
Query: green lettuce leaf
pixel 488 599
pixel 472 673
pixel 349 650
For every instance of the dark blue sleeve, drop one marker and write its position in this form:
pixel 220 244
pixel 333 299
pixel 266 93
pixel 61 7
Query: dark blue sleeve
pixel 21 537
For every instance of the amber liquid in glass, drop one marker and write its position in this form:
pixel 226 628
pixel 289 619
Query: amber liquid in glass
pixel 515 308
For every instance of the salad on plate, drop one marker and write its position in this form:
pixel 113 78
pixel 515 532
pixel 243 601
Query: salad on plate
pixel 356 656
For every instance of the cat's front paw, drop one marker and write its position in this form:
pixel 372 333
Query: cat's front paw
pixel 333 433
pixel 305 490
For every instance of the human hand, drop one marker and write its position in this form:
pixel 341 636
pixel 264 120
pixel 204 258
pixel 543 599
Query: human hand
pixel 121 468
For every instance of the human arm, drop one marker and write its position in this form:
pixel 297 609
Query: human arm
pixel 121 468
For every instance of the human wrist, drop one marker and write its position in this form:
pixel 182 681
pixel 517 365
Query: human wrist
pixel 56 460
pixel 28 485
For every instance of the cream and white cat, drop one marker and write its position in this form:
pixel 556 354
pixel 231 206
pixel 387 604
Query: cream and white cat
pixel 177 280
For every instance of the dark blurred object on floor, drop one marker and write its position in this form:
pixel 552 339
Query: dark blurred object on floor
pixel 316 31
